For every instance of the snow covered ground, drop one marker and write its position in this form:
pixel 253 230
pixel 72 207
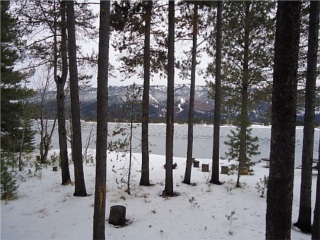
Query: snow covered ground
pixel 45 209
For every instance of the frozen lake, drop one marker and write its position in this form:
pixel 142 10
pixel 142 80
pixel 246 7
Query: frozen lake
pixel 202 142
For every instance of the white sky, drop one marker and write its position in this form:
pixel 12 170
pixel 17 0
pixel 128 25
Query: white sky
pixel 155 79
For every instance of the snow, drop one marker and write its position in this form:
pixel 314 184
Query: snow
pixel 45 209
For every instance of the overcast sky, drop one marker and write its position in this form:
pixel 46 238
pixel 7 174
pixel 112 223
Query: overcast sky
pixel 119 79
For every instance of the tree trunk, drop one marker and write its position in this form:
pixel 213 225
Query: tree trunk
pixel 170 105
pixel 80 188
pixel 304 219
pixel 102 123
pixel 217 101
pixel 144 181
pixel 60 82
pixel 244 120
pixel 187 176
pixel 316 216
pixel 284 98
pixel 130 140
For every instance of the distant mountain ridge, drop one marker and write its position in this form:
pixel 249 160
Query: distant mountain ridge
pixel 203 107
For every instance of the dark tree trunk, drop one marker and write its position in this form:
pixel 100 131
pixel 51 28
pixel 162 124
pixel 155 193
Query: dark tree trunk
pixel 60 82
pixel 144 181
pixel 170 105
pixel 187 176
pixel 315 8
pixel 304 219
pixel 316 216
pixel 102 123
pixel 217 101
pixel 80 188
pixel 284 98
pixel 244 120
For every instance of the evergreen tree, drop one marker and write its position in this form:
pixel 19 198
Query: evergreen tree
pixel 168 191
pixel 187 176
pixel 304 219
pixel 217 100
pixel 247 47
pixel 80 188
pixel 102 123
pixel 145 178
pixel 136 23
pixel 284 98
pixel 48 17
pixel 60 82
pixel 316 212
pixel 16 132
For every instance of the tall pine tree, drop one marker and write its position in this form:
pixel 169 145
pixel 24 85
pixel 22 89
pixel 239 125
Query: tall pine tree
pixel 16 132
pixel 247 48
pixel 284 98
pixel 304 219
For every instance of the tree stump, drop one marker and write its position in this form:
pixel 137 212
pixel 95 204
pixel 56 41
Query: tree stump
pixel 195 163
pixel 225 170
pixel 117 215
pixel 205 167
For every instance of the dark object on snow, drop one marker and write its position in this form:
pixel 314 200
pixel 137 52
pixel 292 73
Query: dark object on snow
pixel 195 163
pixel 117 215
pixel 173 166
pixel 205 167
pixel 225 170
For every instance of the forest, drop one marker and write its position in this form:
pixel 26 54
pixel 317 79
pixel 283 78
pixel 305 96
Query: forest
pixel 249 53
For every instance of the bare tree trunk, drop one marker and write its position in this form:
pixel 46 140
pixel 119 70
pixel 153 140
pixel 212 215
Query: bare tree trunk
pixel 102 123
pixel 284 98
pixel 80 188
pixel 217 101
pixel 316 216
pixel 170 105
pixel 60 82
pixel 20 163
pixel 304 219
pixel 187 176
pixel 130 143
pixel 144 181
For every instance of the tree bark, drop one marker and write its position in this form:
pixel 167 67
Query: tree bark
pixel 316 216
pixel 102 123
pixel 217 101
pixel 304 219
pixel 284 98
pixel 80 188
pixel 187 176
pixel 117 215
pixel 244 120
pixel 170 105
pixel 60 82
pixel 144 181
